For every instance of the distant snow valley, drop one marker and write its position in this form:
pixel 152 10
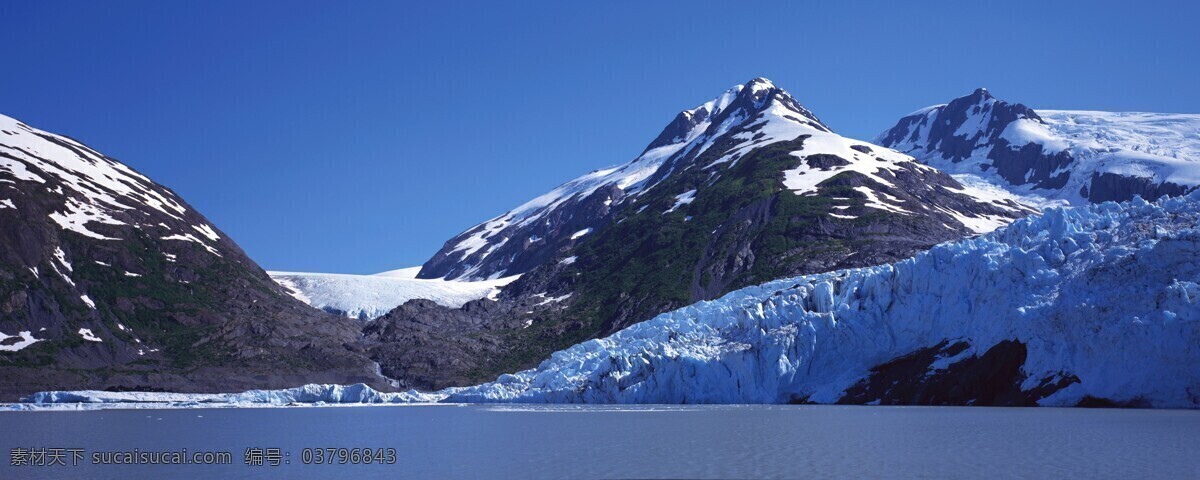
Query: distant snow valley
pixel 367 297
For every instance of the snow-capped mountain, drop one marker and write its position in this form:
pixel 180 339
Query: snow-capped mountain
pixel 556 219
pixel 96 191
pixel 365 297
pixel 1086 305
pixel 1072 156
pixel 742 119
pixel 746 188
pixel 108 279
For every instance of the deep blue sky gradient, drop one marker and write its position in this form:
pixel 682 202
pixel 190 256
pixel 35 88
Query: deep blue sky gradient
pixel 357 137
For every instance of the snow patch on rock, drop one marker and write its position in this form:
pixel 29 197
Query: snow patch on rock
pixel 25 339
pixel 87 334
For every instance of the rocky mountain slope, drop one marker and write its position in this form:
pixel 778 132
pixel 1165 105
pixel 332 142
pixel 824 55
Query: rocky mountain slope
pixel 1073 156
pixel 109 280
pixel 743 189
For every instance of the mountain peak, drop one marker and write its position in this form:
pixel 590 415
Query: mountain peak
pixel 978 97
pixel 957 128
pixel 756 97
pixel 762 90
pixel 759 83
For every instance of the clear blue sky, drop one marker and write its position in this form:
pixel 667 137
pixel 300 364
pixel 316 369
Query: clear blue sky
pixel 357 137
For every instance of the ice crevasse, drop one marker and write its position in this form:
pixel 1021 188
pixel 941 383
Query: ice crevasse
pixel 1105 293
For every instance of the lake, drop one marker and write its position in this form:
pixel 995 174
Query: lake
pixel 518 441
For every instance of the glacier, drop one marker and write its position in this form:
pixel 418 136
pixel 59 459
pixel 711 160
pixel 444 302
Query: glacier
pixel 1161 146
pixel 366 297
pixel 1104 294
pixel 312 394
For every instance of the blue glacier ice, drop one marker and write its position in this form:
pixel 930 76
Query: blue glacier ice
pixel 311 394
pixel 1104 293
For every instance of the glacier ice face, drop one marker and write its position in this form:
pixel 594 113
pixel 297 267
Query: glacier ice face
pixel 311 394
pixel 1105 293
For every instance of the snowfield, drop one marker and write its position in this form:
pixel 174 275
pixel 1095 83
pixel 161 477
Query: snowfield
pixel 367 297
pixel 1105 293
pixel 1161 146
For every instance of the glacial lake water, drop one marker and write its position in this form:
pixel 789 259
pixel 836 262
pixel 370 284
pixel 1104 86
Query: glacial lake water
pixel 481 441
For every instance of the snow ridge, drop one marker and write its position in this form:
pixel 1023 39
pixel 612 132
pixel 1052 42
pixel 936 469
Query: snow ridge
pixel 96 189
